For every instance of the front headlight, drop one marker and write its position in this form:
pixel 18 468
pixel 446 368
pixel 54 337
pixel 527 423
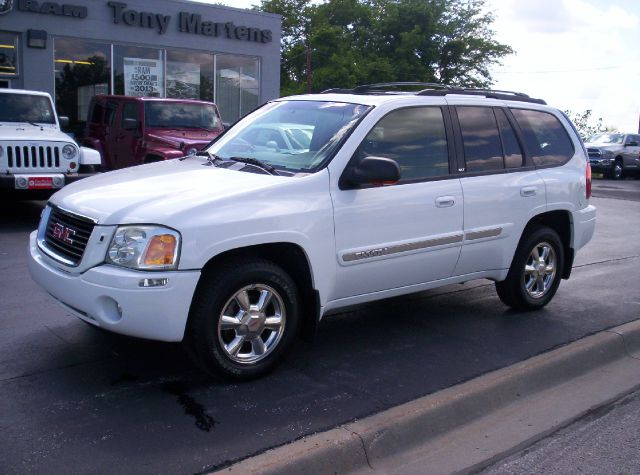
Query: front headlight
pixel 69 151
pixel 145 247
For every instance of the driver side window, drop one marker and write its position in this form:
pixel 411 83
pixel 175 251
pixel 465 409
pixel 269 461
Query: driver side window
pixel 415 138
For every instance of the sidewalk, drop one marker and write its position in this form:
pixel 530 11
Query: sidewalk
pixel 470 426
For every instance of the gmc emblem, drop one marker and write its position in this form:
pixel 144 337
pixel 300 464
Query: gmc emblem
pixel 63 233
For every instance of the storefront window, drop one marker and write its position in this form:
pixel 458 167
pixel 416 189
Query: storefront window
pixel 237 85
pixel 8 54
pixel 189 75
pixel 138 71
pixel 82 70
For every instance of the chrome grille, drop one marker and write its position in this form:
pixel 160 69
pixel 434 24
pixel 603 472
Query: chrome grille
pixel 67 234
pixel 33 157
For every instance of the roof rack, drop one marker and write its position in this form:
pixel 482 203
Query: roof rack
pixel 435 89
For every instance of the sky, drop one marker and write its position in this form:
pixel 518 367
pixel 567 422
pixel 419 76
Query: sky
pixel 574 54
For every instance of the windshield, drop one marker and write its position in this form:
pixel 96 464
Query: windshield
pixel 26 108
pixel 297 136
pixel 181 115
pixel 606 139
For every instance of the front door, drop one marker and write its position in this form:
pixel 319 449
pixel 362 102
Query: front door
pixel 127 140
pixel 395 236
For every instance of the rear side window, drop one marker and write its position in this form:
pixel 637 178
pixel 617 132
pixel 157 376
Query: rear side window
pixel 512 152
pixel 415 138
pixel 97 114
pixel 481 139
pixel 546 139
pixel 110 113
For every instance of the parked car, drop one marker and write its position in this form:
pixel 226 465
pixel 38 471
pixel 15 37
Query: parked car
pixel 614 154
pixel 131 131
pixel 236 255
pixel 36 157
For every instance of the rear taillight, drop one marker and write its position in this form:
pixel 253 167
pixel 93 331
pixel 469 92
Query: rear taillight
pixel 588 181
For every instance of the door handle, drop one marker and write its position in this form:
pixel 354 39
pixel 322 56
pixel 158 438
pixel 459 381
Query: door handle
pixel 445 201
pixel 528 191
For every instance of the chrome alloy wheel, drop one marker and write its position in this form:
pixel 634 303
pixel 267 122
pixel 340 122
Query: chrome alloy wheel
pixel 540 270
pixel 251 323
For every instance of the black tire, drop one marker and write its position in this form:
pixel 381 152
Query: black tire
pixel 513 290
pixel 208 342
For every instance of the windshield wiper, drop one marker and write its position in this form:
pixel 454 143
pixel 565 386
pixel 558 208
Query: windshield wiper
pixel 257 163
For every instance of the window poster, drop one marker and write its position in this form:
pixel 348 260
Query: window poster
pixel 183 80
pixel 143 77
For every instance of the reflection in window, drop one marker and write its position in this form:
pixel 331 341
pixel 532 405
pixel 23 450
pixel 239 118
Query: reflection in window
pixel 415 138
pixel 189 75
pixel 237 85
pixel 8 54
pixel 482 147
pixel 545 138
pixel 138 71
pixel 81 71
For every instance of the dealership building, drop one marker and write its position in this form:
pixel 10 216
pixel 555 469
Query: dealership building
pixel 161 48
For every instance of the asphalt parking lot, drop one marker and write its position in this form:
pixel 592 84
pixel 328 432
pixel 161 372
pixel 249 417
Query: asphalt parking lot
pixel 76 400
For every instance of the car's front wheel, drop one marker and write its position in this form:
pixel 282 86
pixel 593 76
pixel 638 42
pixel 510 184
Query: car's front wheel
pixel 536 270
pixel 618 170
pixel 243 319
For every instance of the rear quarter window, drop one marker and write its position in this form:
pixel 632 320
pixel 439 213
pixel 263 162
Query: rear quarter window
pixel 546 139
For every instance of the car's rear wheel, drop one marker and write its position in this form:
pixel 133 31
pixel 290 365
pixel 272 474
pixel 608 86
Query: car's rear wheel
pixel 243 319
pixel 536 270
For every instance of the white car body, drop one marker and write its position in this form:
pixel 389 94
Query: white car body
pixel 31 153
pixel 360 245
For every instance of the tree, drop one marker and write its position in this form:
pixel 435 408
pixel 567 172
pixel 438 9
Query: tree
pixel 343 43
pixel 586 125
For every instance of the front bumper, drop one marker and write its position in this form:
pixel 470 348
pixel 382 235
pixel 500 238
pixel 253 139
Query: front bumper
pixel 601 166
pixel 584 225
pixel 111 297
pixel 8 182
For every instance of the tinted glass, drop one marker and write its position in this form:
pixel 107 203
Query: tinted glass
pixel 110 113
pixel 138 71
pixel 237 85
pixel 130 111
pixel 26 108
pixel 97 114
pixel 546 139
pixel 189 75
pixel 415 138
pixel 512 152
pixel 482 147
pixel 182 115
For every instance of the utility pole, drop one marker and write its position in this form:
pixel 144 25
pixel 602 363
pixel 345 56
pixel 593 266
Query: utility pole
pixel 309 71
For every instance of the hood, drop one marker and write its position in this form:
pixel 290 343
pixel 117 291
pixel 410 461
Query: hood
pixel 613 146
pixel 158 193
pixel 176 137
pixel 24 131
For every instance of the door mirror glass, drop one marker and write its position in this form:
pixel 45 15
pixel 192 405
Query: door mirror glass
pixel 371 171
pixel 64 122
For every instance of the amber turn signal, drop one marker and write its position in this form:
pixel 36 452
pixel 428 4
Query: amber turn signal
pixel 161 250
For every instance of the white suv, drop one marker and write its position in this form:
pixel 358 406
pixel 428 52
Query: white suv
pixel 376 193
pixel 36 157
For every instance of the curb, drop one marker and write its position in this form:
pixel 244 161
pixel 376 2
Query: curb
pixel 400 436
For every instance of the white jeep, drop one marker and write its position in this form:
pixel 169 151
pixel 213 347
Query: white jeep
pixel 243 246
pixel 36 157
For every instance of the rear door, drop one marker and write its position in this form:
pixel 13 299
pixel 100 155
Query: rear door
pixel 501 188
pixel 395 236
pixel 631 152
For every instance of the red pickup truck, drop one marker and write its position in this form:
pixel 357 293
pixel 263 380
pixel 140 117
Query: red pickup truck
pixel 131 131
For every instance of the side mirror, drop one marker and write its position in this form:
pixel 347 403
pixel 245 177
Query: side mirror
pixel 631 144
pixel 370 171
pixel 130 124
pixel 272 145
pixel 226 125
pixel 63 121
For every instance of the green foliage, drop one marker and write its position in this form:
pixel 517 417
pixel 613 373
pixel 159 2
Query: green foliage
pixel 351 42
pixel 587 125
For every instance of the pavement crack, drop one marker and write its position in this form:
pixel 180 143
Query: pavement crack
pixel 364 447
pixel 606 261
pixel 56 335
